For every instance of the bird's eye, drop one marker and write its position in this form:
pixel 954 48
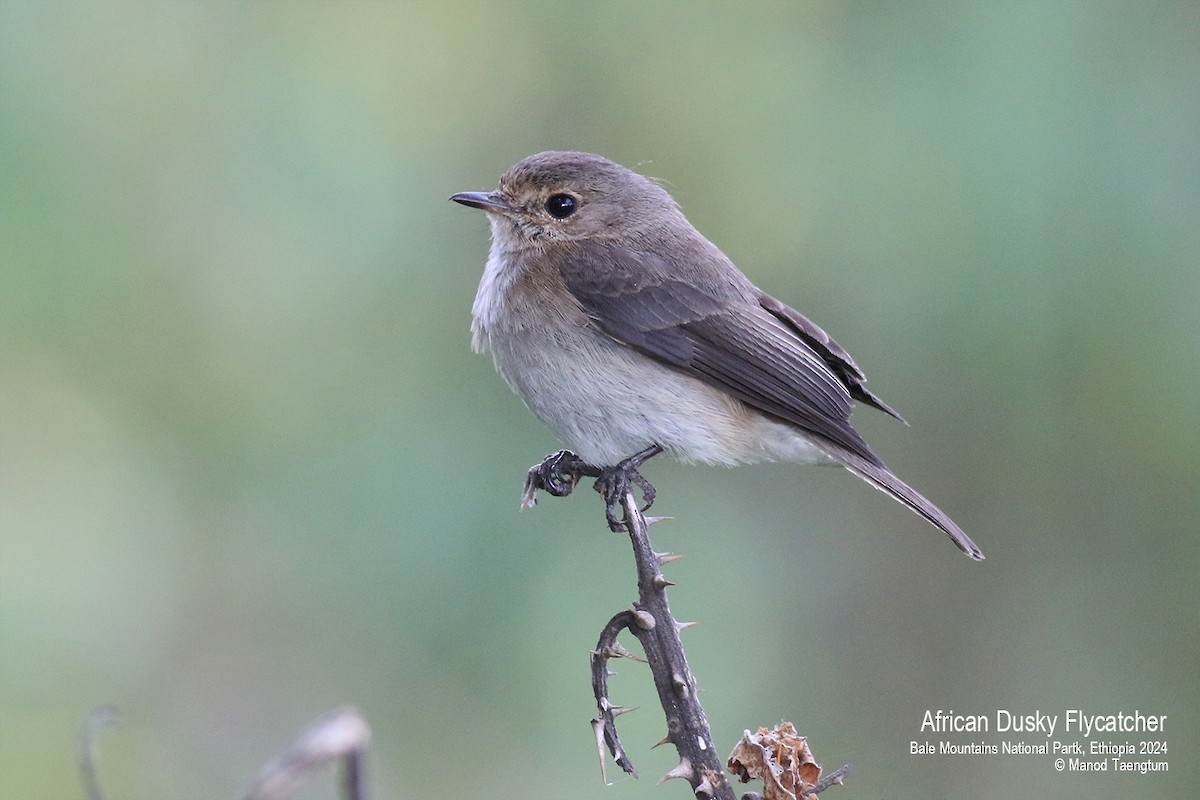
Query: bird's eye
pixel 561 206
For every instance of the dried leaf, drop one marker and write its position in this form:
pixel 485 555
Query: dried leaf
pixel 780 757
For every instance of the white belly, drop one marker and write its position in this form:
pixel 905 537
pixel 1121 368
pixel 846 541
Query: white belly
pixel 607 402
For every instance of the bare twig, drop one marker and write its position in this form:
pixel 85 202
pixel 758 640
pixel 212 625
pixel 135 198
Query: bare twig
pixel 341 734
pixel 96 721
pixel 835 778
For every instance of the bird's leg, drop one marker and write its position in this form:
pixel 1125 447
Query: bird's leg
pixel 614 482
pixel 557 474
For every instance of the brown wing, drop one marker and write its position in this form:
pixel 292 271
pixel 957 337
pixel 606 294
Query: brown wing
pixel 721 333
pixel 728 334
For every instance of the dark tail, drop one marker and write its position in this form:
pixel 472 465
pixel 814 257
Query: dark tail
pixel 882 478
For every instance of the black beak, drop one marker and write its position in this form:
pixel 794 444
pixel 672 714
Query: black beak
pixel 486 201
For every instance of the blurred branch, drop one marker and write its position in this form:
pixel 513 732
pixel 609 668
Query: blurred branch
pixel 339 735
pixel 95 722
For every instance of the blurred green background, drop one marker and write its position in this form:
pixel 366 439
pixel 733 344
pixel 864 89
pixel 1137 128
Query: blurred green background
pixel 251 469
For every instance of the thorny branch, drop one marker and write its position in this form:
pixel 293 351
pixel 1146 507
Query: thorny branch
pixel 344 736
pixel 605 725
pixel 651 621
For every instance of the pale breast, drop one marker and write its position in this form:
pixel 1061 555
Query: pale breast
pixel 605 400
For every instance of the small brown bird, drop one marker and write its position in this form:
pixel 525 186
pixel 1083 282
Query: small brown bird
pixel 629 334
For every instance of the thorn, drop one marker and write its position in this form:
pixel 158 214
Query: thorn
pixel 661 583
pixel 665 740
pixel 667 558
pixel 683 626
pixel 681 687
pixel 704 790
pixel 617 650
pixel 684 770
pixel 651 520
pixel 619 710
pixel 610 672
pixel 598 729
pixel 644 619
pixel 603 704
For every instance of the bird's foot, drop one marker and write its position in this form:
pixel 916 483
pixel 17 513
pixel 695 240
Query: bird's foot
pixel 615 482
pixel 558 474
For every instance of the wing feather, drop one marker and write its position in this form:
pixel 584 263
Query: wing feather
pixel 719 328
pixel 719 331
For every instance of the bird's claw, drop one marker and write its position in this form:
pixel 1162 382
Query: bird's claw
pixel 614 483
pixel 558 474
